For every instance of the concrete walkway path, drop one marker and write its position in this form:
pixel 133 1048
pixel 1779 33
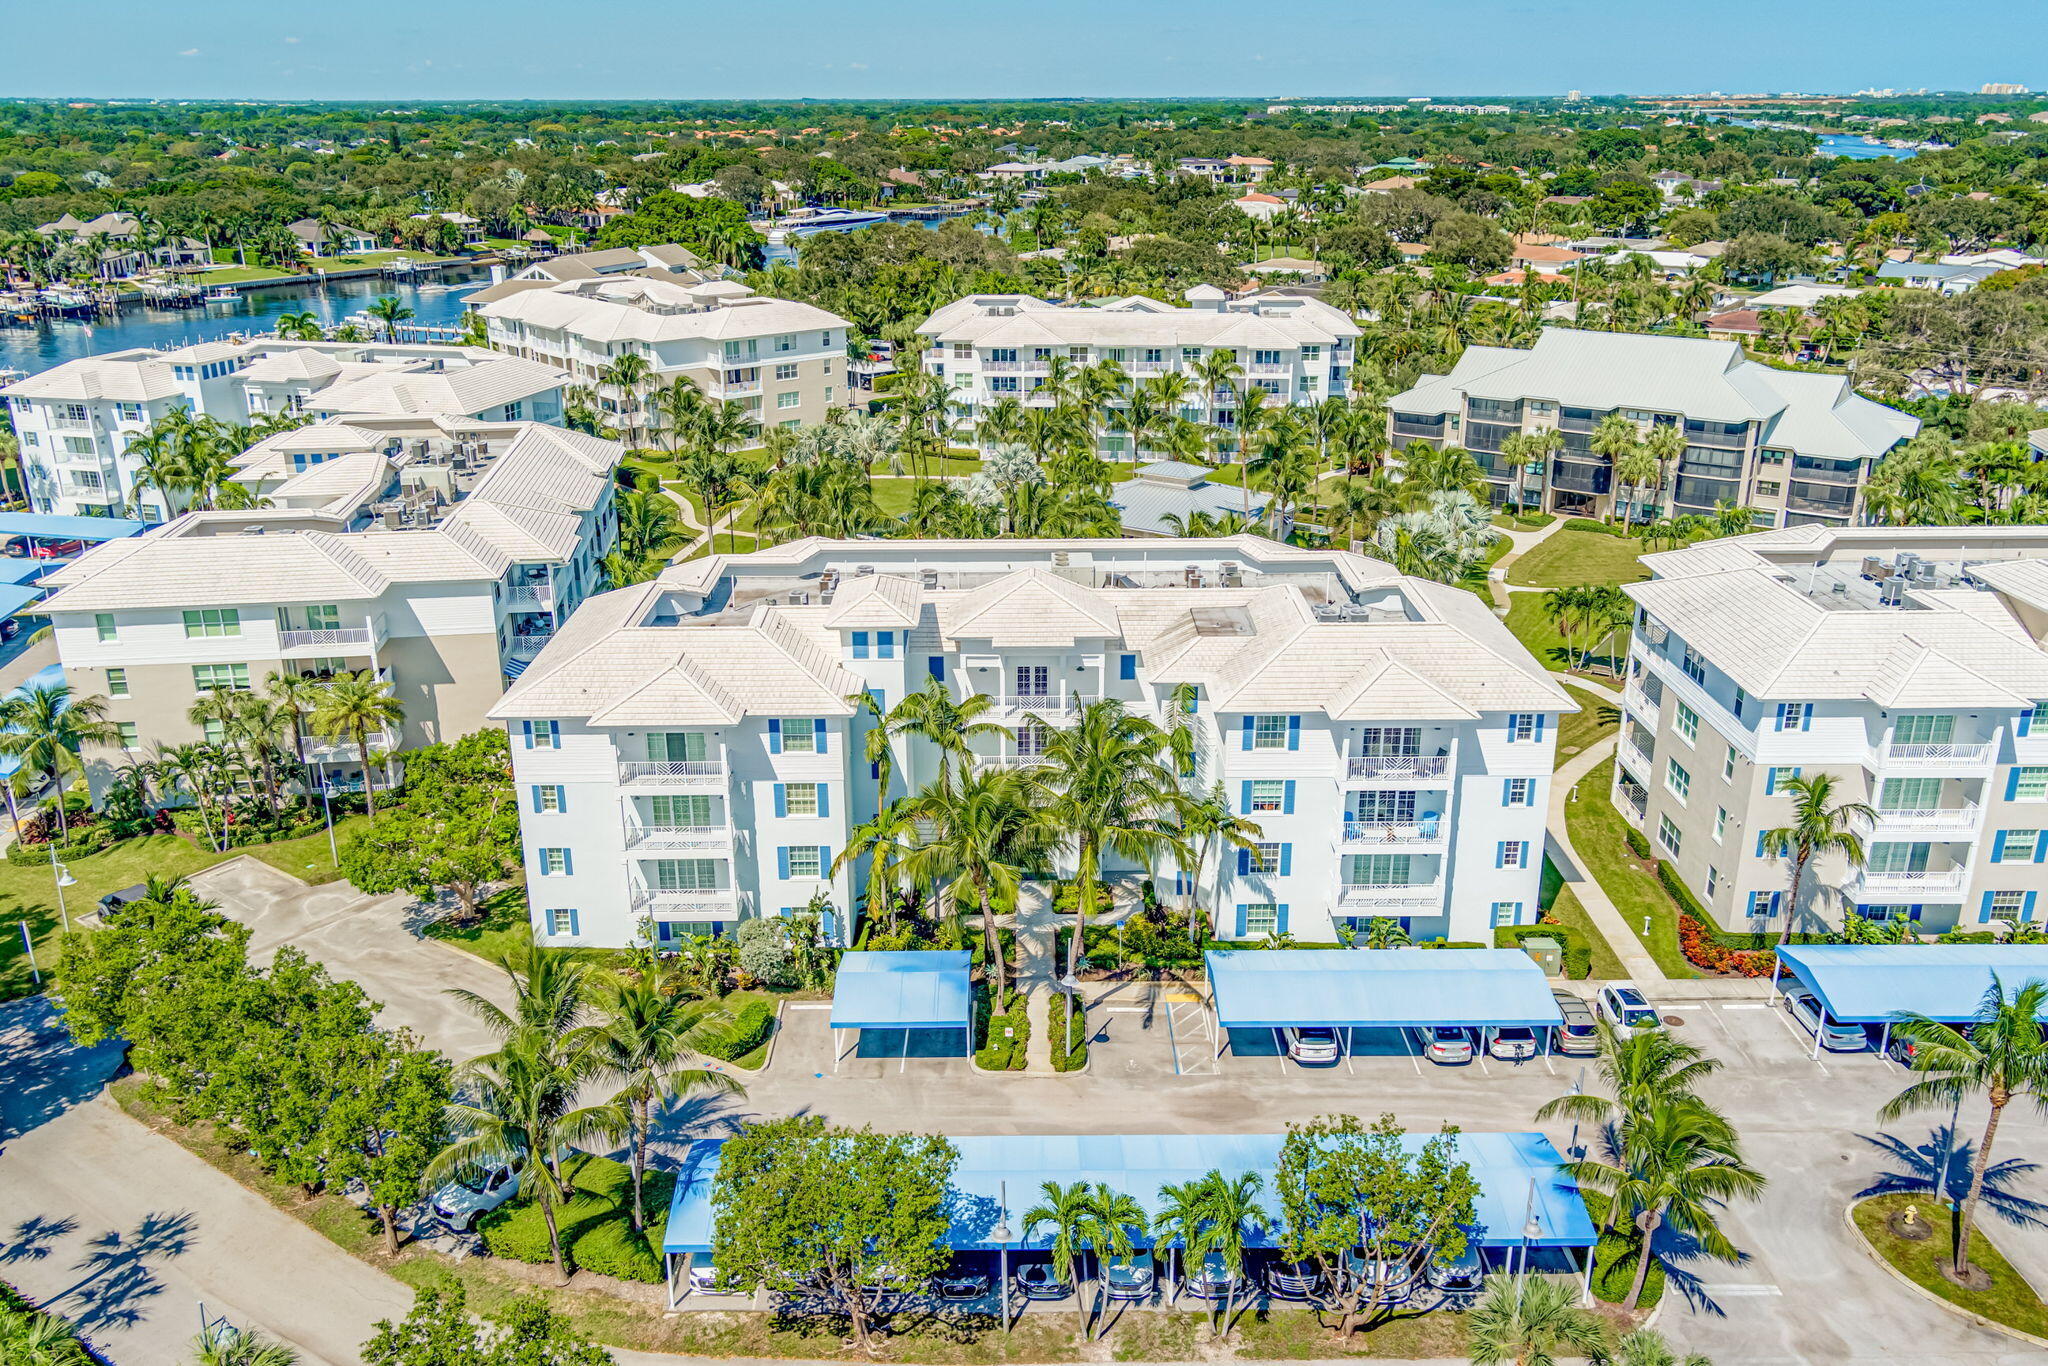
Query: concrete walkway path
pixel 1627 945
pixel 1524 542
pixel 1038 969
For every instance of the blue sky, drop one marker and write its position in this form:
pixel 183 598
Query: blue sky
pixel 678 49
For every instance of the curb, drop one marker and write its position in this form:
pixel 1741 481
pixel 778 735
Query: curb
pixel 735 1070
pixel 1870 1250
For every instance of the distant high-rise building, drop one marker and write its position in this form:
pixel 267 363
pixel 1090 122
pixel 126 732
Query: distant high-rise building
pixel 2001 88
pixel 1574 95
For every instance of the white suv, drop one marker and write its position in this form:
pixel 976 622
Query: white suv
pixel 459 1204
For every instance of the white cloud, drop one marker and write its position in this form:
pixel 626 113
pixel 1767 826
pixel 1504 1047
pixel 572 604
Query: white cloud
pixel 189 52
pixel 856 66
pixel 291 40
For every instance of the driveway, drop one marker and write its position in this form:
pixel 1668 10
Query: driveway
pixel 369 940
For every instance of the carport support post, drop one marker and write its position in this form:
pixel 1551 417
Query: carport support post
pixel 1586 1276
pixel 1819 1028
pixel 1884 1042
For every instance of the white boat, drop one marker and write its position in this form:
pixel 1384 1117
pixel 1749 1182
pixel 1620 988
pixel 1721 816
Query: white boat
pixel 223 294
pixel 803 222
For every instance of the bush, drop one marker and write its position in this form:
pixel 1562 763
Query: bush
pixel 747 1032
pixel 611 1248
pixel 1588 524
pixel 1701 949
pixel 997 1052
pixel 595 1223
pixel 1614 1260
pixel 1638 842
pixel 764 952
pixel 1578 954
pixel 1067 1055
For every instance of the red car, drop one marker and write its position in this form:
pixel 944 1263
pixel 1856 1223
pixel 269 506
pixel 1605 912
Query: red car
pixel 50 550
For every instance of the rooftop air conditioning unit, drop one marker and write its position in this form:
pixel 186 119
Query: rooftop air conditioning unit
pixel 1059 559
pixel 1892 592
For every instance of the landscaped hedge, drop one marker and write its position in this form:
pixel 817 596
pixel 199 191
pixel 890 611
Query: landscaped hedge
pixel 1638 842
pixel 998 1053
pixel 1066 1056
pixel 748 1031
pixel 611 1248
pixel 1578 954
pixel 595 1222
pixel 1588 524
pixel 1615 1257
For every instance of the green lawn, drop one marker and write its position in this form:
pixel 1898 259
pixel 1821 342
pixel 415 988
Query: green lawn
pixel 28 894
pixel 236 275
pixel 1595 720
pixel 2009 1299
pixel 1600 835
pixel 1533 521
pixel 1606 963
pixel 1533 628
pixel 1575 557
pixel 506 926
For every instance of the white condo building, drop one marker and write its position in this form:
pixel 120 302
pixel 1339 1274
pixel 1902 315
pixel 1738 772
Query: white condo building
pixel 992 347
pixel 690 750
pixel 1908 663
pixel 440 553
pixel 1795 446
pixel 76 421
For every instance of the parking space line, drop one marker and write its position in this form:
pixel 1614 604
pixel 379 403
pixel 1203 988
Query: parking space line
pixel 1804 1042
pixel 1408 1042
pixel 1480 1054
pixel 1733 1041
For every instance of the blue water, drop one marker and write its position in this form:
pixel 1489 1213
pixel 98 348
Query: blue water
pixel 1851 146
pixel 44 344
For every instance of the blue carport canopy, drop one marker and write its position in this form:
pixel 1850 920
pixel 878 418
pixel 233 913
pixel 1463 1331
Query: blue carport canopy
pixel 1378 988
pixel 908 989
pixel 1870 983
pixel 49 526
pixel 1516 1173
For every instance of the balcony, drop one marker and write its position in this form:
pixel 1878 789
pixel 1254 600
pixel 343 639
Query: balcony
pixel 1566 423
pixel 1374 768
pixel 1915 886
pixel 1039 706
pixel 1633 757
pixel 1007 761
pixel 528 644
pixel 1638 703
pixel 71 424
pixel 1943 758
pixel 331 640
pixel 1366 898
pixel 669 774
pixel 655 839
pixel 1147 367
pixel 1820 507
pixel 530 597
pixel 1431 430
pixel 1894 823
pixel 736 388
pixel 1427 833
pixel 323 751
pixel 724 903
pixel 1269 368
pixel 1002 367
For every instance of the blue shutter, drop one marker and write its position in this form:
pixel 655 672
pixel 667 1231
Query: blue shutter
pixel 1240 922
pixel 1806 716
pixel 1248 735
pixel 935 665
pixel 2027 906
pixel 1244 864
pixel 1127 667
pixel 554 735
pixel 824 799
pixel 824 860
pixel 1770 781
pixel 2041 847
pixel 1984 908
pixel 1286 862
pixel 568 862
pixel 2026 724
pixel 2012 785
pixel 1500 854
pixel 782 799
pixel 1518 912
pixel 526 729
pixel 782 860
pixel 860 644
pixel 1294 732
pixel 1287 798
pixel 1538 733
pixel 1759 844
pixel 828 926
pixel 1280 918
pixel 774 735
pixel 818 731
pixel 885 645
pixel 1777 903
pixel 1507 792
pixel 1244 797
pixel 575 923
pixel 1913 912
pixel 536 798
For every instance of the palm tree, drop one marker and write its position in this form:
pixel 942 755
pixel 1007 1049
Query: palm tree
pixel 1107 786
pixel 2000 1053
pixel 44 727
pixel 1111 1215
pixel 1676 1163
pixel 264 723
pixel 883 841
pixel 352 706
pixel 1647 1347
pixel 1234 1212
pixel 1205 823
pixel 1820 825
pixel 984 834
pixel 627 374
pixel 1666 444
pixel 301 326
pixel 932 714
pixel 1069 1210
pixel 642 1037
pixel 238 1347
pixel 296 695
pixel 189 766
pixel 31 1338
pixel 1530 1321
pixel 386 309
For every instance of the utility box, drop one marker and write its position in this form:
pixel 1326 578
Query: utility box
pixel 1547 952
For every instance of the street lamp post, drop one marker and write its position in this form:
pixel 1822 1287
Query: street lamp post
pixel 61 875
pixel 1532 1229
pixel 1001 1234
pixel 327 810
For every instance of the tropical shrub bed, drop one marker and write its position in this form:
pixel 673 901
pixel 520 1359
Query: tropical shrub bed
pixel 999 1052
pixel 1068 1055
pixel 596 1223
pixel 1578 954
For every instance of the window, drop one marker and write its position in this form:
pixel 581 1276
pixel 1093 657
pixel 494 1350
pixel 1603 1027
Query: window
pixel 1793 716
pixel 117 682
pixel 1767 488
pixel 1677 779
pixel 1511 854
pixel 1720 823
pixel 1523 725
pixel 2027 785
pixel 788 398
pixel 1262 858
pixel 129 739
pixel 1713 883
pixel 2016 846
pixel 554 862
pixel 683 812
pixel 799 735
pixel 786 370
pixel 547 798
pixel 804 861
pixel 208 677
pixel 1267 795
pixel 1518 792
pixel 78 445
pixel 1127 667
pixel 1265 358
pixel 561 920
pixel 1506 913
pixel 1376 870
pixel 1031 739
pixel 1667 834
pixel 2035 720
pixel 213 621
pixel 103 622
pixel 1777 778
pixel 686 875
pixel 1764 905
pixel 2008 905
pixel 1694 667
pixel 799 799
pixel 1927 729
pixel 547 735
pixel 1728 765
pixel 1687 723
pixel 1260 920
pixel 1269 732
pixel 678 746
pixel 1909 794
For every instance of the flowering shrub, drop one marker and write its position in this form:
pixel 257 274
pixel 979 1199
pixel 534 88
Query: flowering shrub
pixel 1701 949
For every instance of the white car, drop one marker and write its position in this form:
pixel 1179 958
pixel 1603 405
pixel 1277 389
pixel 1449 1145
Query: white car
pixel 459 1204
pixel 1212 1280
pixel 1446 1045
pixel 1312 1045
pixel 1510 1043
pixel 1128 1278
pixel 1835 1036
pixel 1625 1008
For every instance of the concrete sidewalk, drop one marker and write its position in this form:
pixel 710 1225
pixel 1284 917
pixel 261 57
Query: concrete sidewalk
pixel 1635 959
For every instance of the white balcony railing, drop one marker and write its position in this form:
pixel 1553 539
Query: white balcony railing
pixel 1945 756
pixel 1940 820
pixel 1394 833
pixel 673 772
pixel 529 644
pixel 724 903
pixel 1869 882
pixel 1633 757
pixel 331 638
pixel 1638 702
pixel 1268 368
pixel 1007 760
pixel 321 751
pixel 1376 895
pixel 1395 766
pixel 679 837
pixel 528 596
